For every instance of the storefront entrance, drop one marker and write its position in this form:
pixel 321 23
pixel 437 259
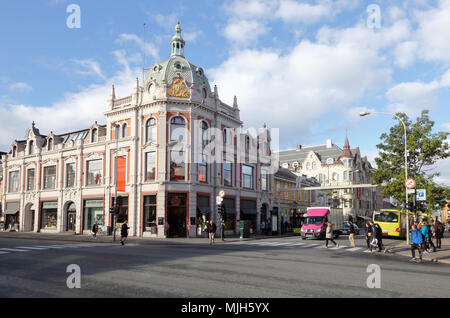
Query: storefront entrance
pixel 71 217
pixel 12 216
pixel 49 212
pixel 29 218
pixel 176 215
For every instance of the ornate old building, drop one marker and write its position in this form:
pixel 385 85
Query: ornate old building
pixel 181 145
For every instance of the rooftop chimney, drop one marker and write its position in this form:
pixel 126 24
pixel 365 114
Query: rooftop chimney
pixel 299 147
pixel 329 143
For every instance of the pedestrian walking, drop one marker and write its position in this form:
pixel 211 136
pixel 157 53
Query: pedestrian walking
pixel 416 243
pixel 428 242
pixel 329 235
pixel 94 230
pixel 211 228
pixel 379 236
pixel 351 235
pixel 124 232
pixel 439 233
pixel 368 235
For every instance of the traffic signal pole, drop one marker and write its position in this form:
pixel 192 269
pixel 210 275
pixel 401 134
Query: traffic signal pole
pixel 115 173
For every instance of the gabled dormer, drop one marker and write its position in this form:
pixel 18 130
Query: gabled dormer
pixel 311 162
pixel 34 140
pixel 52 141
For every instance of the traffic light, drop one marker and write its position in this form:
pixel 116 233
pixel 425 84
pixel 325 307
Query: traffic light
pixel 411 207
pixel 421 207
pixel 221 209
pixel 117 209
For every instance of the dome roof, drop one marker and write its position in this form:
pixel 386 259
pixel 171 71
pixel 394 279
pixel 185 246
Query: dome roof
pixel 177 66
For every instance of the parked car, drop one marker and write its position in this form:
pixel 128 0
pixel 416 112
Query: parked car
pixel 345 230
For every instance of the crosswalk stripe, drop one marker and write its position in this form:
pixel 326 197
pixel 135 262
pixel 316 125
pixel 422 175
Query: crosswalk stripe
pixel 298 244
pixel 13 250
pixel 4 252
pixel 51 246
pixel 353 249
pixel 337 247
pixel 309 245
pixel 32 248
pixel 321 246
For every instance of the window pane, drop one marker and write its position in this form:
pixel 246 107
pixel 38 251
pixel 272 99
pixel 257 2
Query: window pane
pixel 177 165
pixel 94 172
pixel 30 179
pixel 227 173
pixel 50 177
pixel 177 129
pixel 14 181
pixel 151 130
pixel 202 170
pixel 150 171
pixel 70 177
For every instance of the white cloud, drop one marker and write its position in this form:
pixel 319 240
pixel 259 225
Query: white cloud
pixel 405 53
pixel 88 67
pixel 413 97
pixel 446 126
pixel 150 48
pixel 244 32
pixel 443 167
pixel 293 11
pixel 20 87
pixel 76 110
pixel 295 89
pixel 433 32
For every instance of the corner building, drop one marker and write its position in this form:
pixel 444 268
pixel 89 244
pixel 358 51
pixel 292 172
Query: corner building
pixel 181 145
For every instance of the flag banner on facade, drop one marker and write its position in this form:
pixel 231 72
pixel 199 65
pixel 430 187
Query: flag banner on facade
pixel 121 173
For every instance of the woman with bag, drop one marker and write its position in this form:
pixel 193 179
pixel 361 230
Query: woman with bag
pixel 439 233
pixel 329 235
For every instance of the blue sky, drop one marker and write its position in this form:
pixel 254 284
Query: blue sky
pixel 306 67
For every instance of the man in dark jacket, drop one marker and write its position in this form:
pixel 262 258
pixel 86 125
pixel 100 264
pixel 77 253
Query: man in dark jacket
pixel 379 237
pixel 95 230
pixel 211 228
pixel 351 235
pixel 124 232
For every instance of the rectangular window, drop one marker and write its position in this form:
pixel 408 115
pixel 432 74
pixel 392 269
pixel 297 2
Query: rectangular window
pixel 350 175
pixel 264 184
pixel 227 173
pixel 177 165
pixel 345 175
pixel 203 170
pixel 70 175
pixel 149 212
pixel 49 213
pixel 93 212
pixel 247 176
pixel 94 172
pixel 150 166
pixel 13 181
pixel 30 179
pixel 50 177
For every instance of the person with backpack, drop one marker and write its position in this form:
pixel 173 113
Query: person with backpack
pixel 439 233
pixel 211 229
pixel 368 235
pixel 379 236
pixel 124 232
pixel 416 243
pixel 351 235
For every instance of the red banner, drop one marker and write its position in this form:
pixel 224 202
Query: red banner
pixel 121 173
pixel 358 193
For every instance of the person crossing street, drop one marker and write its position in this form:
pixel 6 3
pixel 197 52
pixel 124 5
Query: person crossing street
pixel 416 243
pixel 124 232
pixel 211 229
pixel 329 235
pixel 351 235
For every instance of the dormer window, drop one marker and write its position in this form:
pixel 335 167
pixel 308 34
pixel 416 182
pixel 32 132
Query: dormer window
pixel 124 131
pixel 31 147
pixel 94 135
pixel 330 161
pixel 14 152
pixel 50 144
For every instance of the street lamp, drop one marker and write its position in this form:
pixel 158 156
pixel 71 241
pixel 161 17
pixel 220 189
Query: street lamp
pixel 362 114
pixel 117 131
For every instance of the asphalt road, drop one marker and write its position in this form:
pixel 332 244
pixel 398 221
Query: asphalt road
pixel 276 267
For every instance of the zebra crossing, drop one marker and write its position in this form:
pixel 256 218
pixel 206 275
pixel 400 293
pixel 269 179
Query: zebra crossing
pixel 293 244
pixel 35 248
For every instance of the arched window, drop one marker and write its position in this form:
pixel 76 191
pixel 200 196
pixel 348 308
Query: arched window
pixel 94 136
pixel 247 144
pixel 50 144
pixel 335 176
pixel 14 152
pixel 224 136
pixel 124 130
pixel 117 131
pixel 31 147
pixel 308 166
pixel 314 166
pixel 150 130
pixel 177 129
pixel 330 161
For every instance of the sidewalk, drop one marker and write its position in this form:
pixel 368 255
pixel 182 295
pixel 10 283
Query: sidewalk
pixel 71 237
pixel 441 255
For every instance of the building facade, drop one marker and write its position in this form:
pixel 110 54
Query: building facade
pixel 180 144
pixel 333 166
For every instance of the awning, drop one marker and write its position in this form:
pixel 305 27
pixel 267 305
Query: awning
pixel 249 211
pixel 204 209
pixel 12 208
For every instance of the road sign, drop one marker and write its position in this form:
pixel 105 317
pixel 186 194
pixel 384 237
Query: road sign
pixel 421 195
pixel 219 200
pixel 410 191
pixel 221 193
pixel 410 183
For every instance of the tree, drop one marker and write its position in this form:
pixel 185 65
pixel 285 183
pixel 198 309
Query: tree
pixel 425 148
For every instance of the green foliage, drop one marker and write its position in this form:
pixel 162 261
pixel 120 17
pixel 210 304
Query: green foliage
pixel 424 147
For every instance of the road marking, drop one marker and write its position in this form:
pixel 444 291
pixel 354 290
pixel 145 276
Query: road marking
pixel 4 252
pixel 298 244
pixel 321 246
pixel 13 250
pixel 353 249
pixel 310 245
pixel 32 248
pixel 337 247
pixel 51 246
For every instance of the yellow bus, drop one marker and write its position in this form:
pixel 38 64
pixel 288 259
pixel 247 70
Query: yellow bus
pixel 392 222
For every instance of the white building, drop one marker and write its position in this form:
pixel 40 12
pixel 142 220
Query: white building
pixel 165 130
pixel 333 166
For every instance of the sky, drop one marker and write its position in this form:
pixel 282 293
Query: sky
pixel 305 67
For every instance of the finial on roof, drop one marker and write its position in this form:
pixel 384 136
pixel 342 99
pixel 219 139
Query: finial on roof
pixel 113 92
pixel 32 124
pixel 235 104
pixel 177 41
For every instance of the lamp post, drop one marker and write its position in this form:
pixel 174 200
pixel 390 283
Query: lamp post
pixel 362 114
pixel 117 132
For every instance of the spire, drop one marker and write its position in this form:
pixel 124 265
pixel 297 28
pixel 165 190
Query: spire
pixel 346 152
pixel 235 104
pixel 136 86
pixel 177 42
